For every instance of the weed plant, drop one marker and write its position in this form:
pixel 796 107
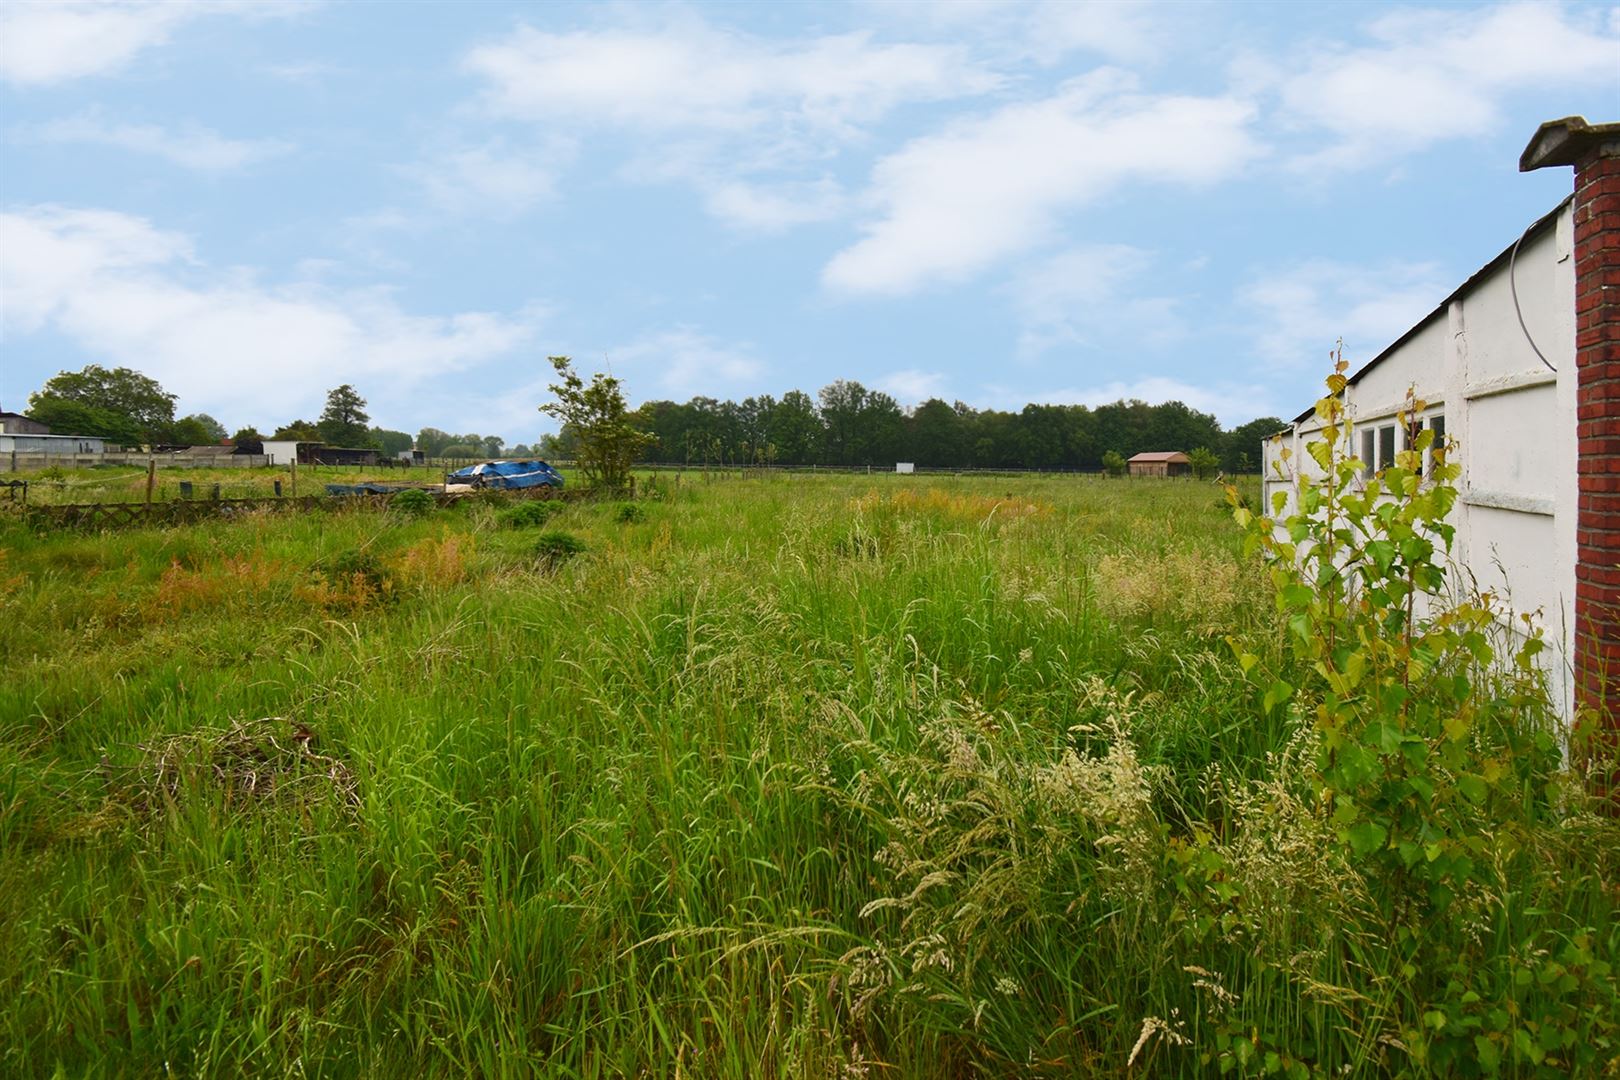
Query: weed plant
pixel 412 501
pixel 554 547
pixel 529 514
pixel 831 778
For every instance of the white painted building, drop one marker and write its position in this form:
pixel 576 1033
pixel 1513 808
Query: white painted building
pixel 281 452
pixel 1498 376
pixel 1520 367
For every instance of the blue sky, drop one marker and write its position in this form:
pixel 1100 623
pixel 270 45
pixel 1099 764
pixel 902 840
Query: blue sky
pixel 996 202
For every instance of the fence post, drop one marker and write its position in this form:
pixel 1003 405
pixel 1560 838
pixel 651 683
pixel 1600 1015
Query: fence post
pixel 278 488
pixel 632 485
pixel 295 475
pixel 151 479
pixel 185 489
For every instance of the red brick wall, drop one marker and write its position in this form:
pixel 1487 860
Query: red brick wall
pixel 1597 361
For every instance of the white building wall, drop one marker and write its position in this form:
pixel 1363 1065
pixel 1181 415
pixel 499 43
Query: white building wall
pixel 1513 423
pixel 281 453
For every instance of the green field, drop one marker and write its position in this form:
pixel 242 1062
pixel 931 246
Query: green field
pixel 127 483
pixel 795 777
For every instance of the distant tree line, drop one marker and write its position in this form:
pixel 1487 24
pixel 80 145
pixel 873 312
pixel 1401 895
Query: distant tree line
pixel 849 424
pixel 128 408
pixel 845 424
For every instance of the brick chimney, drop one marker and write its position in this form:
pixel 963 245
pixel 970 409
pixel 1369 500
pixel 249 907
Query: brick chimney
pixel 1594 151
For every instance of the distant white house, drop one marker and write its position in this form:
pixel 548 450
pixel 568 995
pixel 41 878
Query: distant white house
pixel 1496 365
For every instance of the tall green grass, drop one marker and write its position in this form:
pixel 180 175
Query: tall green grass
pixel 794 777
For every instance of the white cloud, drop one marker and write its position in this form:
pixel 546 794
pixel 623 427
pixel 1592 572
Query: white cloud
pixel 956 202
pixel 190 147
pixel 913 386
pixel 685 362
pixel 720 109
pixel 1232 403
pixel 495 178
pixel 774 207
pixel 1044 31
pixel 693 76
pixel 57 40
pixel 1082 295
pixel 130 293
pixel 1433 75
pixel 1305 308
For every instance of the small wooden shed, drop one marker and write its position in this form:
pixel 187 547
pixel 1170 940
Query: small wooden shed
pixel 1165 463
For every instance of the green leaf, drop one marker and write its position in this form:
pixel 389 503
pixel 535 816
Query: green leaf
pixel 1297 596
pixel 1387 737
pixel 1279 693
pixel 1473 787
pixel 1382 553
pixel 1366 837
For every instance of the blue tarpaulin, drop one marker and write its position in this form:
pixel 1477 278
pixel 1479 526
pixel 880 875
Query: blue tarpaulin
pixel 508 474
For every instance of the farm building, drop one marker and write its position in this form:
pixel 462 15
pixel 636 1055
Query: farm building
pixel 1520 369
pixel 52 444
pixel 17 424
pixel 285 452
pixel 215 450
pixel 1167 463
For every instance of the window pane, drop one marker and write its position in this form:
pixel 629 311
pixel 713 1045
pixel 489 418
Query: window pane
pixel 1386 446
pixel 1368 450
pixel 1437 451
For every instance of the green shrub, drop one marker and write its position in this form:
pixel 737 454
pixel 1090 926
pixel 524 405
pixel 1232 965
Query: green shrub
pixel 1204 463
pixel 529 514
pixel 628 513
pixel 554 547
pixel 412 501
pixel 1435 760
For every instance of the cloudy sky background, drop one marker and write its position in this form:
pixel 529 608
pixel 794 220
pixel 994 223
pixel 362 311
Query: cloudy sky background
pixel 996 202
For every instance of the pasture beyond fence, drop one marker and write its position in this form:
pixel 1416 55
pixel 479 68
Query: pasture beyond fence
pixel 17 461
pixel 97 516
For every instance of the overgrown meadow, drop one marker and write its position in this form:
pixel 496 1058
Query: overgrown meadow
pixel 797 777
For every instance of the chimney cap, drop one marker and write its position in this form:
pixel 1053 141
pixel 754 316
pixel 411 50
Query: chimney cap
pixel 1567 141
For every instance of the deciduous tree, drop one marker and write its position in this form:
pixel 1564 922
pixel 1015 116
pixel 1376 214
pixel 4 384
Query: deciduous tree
pixel 122 403
pixel 65 416
pixel 300 430
pixel 1205 463
pixel 198 429
pixel 600 420
pixel 391 443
